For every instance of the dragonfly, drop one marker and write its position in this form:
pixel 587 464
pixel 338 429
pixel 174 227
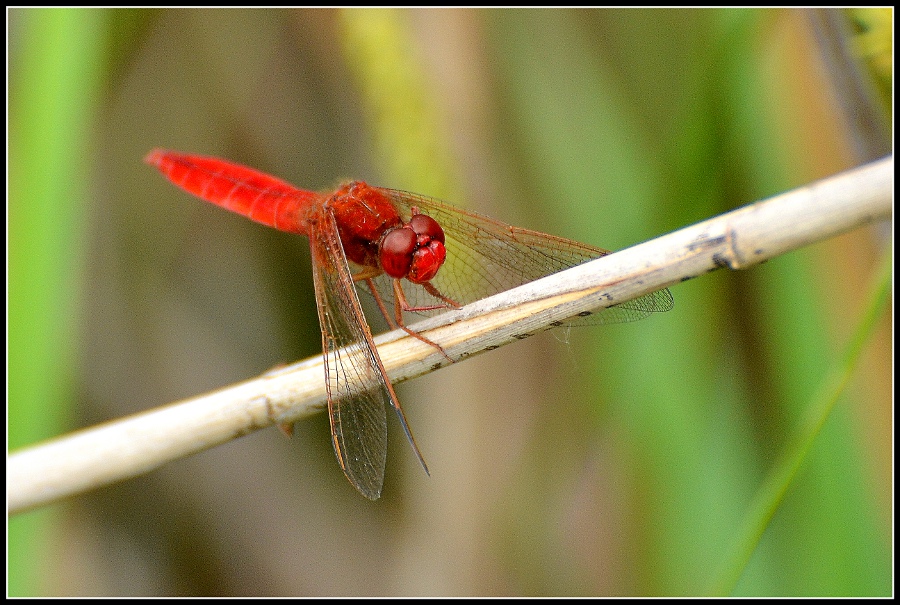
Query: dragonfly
pixel 411 253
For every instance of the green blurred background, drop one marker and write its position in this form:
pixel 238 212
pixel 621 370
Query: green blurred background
pixel 596 461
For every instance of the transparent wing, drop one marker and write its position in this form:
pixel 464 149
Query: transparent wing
pixel 357 384
pixel 357 387
pixel 485 256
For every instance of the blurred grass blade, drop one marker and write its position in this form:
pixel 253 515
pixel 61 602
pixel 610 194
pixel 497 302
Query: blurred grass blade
pixel 404 117
pixel 55 62
pixel 773 490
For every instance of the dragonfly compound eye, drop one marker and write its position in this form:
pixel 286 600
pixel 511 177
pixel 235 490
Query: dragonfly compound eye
pixel 427 227
pixel 397 249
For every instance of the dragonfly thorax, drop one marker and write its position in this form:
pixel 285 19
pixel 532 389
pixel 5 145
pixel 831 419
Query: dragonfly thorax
pixel 363 215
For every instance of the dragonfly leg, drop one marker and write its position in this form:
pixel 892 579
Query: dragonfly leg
pixel 380 303
pixel 401 304
pixel 449 303
pixel 367 274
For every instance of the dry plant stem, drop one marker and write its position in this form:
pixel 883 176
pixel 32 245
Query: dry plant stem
pixel 131 446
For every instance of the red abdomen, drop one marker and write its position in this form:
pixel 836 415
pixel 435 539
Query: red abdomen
pixel 256 195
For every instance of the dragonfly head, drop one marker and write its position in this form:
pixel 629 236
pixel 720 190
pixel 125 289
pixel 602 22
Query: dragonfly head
pixel 415 251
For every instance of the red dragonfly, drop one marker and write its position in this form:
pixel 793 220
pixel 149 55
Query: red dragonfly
pixel 393 245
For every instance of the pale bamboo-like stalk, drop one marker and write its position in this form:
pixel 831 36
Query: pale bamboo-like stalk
pixel 130 446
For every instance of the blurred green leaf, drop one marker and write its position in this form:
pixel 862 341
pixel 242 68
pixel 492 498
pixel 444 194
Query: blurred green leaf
pixel 56 70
